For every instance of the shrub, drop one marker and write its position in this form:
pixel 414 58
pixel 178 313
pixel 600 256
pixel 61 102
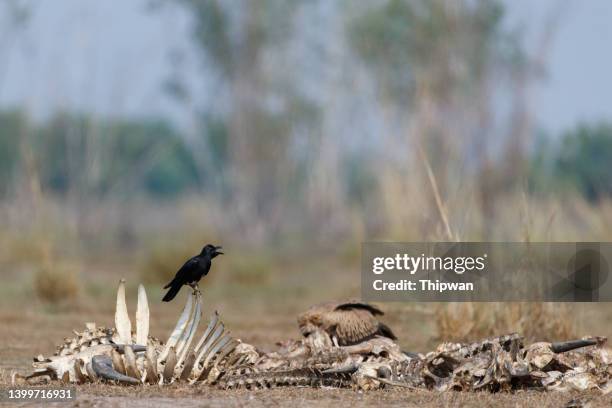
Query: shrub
pixel 161 261
pixel 55 284
pixel 585 160
pixel 473 321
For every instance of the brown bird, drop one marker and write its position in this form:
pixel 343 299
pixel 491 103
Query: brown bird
pixel 346 323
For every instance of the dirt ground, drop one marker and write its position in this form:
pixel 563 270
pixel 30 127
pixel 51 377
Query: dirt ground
pixel 261 316
pixel 181 396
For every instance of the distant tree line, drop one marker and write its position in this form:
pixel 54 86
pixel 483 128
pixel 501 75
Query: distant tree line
pixel 96 157
pixel 580 159
pixel 147 156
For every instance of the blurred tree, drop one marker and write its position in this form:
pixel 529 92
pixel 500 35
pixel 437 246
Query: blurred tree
pixel 14 16
pixel 585 160
pixel 244 42
pixel 444 46
pixel 440 65
pixel 129 156
pixel 12 128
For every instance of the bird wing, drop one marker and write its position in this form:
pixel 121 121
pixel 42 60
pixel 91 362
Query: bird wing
pixel 385 331
pixel 358 305
pixel 351 322
pixel 183 274
pixel 351 325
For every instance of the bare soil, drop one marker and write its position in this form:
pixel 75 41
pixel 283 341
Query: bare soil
pixel 259 315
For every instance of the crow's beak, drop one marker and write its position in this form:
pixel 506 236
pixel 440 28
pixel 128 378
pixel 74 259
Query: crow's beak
pixel 217 248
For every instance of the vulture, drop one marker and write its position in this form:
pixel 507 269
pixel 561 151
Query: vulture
pixel 346 323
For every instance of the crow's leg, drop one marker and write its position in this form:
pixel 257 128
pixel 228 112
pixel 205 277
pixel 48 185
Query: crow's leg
pixel 195 287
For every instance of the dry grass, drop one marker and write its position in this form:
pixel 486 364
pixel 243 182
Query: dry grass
pixel 259 315
pixel 56 284
pixel 161 261
pixel 259 295
pixel 535 321
pixel 180 395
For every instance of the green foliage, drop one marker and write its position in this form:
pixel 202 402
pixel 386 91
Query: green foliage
pixel 98 158
pixel 581 160
pixel 211 30
pixel 360 179
pixel 439 43
pixel 540 175
pixel 12 129
pixel 585 160
pixel 214 30
pixel 217 141
pixel 153 150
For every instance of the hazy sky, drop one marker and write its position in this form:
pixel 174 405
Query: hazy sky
pixel 110 58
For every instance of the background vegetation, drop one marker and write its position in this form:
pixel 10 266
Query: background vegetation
pixel 393 120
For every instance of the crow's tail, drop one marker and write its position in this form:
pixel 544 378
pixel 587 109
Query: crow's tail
pixel 172 293
pixel 170 283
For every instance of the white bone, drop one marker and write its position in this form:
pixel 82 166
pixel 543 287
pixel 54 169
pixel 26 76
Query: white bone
pixel 142 317
pixel 178 331
pixel 211 326
pixel 228 348
pixel 204 351
pixel 183 346
pixel 216 347
pixel 188 367
pixel 180 343
pixel 90 372
pixel 130 363
pixel 78 374
pixel 122 320
pixel 224 350
pixel 151 365
pixel 168 373
pixel 64 364
pixel 118 362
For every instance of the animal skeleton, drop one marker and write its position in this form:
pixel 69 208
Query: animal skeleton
pixel 118 355
pixel 374 361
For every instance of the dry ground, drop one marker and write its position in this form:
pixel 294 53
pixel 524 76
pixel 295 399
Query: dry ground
pixel 181 396
pixel 260 313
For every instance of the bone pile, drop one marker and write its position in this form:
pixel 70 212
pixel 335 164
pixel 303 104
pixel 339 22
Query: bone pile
pixel 497 364
pixel 501 363
pixel 119 355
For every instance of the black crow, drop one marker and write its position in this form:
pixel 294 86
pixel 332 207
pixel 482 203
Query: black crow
pixel 193 270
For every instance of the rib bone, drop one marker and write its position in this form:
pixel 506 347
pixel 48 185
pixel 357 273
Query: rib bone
pixel 130 363
pixel 118 362
pixel 188 367
pixel 213 338
pixel 183 344
pixel 178 331
pixel 211 326
pixel 122 320
pixel 168 373
pixel 218 345
pixel 142 317
pixel 225 351
pixel 151 365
